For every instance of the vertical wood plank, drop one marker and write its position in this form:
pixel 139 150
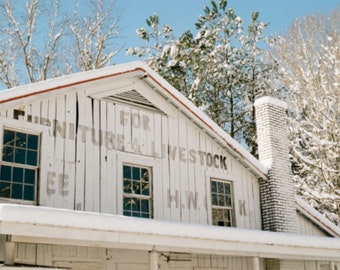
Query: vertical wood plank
pixel 90 190
pixel 165 182
pixel 205 216
pixel 59 151
pixel 96 141
pixel 80 151
pixel 46 155
pixel 181 156
pixel 195 180
pixel 155 151
pixel 175 183
pixel 51 179
pixel 68 186
pixel 111 190
pixel 105 189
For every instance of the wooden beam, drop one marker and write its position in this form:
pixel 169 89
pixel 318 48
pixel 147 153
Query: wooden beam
pixel 153 260
pixel 9 256
pixel 255 263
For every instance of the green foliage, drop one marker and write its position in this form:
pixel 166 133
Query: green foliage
pixel 220 69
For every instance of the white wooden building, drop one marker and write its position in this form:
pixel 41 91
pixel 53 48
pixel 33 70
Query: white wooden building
pixel 115 169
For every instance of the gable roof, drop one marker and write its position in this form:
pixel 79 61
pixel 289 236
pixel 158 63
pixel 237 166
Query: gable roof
pixel 139 71
pixel 316 217
pixel 101 80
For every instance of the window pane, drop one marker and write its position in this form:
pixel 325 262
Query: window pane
pixel 145 175
pixel 18 174
pixel 220 188
pixel 214 199
pixel 127 204
pixel 20 140
pixel 127 172
pixel 228 201
pixel 213 186
pixel 145 206
pixel 127 186
pixel 16 191
pixel 32 142
pixel 221 217
pixel 6 173
pixel 217 215
pixel 227 188
pixel 20 156
pixel 32 158
pixel 221 200
pixel 136 187
pixel 29 193
pixel 9 137
pixel 5 189
pixel 135 204
pixel 145 188
pixel 8 153
pixel 29 176
pixel 135 173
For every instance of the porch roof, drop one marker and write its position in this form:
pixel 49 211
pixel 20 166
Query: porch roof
pixel 33 224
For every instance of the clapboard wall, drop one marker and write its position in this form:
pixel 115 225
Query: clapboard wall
pixel 90 258
pixel 85 141
pixel 87 136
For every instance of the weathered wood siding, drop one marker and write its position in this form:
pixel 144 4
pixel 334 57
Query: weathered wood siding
pixel 85 258
pixel 308 228
pixel 85 141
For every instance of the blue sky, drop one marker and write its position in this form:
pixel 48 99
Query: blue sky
pixel 182 15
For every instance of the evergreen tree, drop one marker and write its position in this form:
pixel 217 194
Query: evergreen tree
pixel 221 69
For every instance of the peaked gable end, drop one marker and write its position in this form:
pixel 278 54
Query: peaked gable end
pixel 97 127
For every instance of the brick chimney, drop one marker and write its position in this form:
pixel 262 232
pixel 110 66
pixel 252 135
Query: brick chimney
pixel 277 192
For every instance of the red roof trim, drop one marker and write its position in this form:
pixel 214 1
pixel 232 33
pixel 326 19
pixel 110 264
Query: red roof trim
pixel 209 126
pixel 126 72
pixel 70 85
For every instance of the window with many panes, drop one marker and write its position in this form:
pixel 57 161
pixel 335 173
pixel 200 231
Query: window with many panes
pixel 137 195
pixel 222 203
pixel 19 165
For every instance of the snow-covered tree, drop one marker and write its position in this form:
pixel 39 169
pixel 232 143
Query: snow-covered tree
pixel 167 55
pixel 309 54
pixel 41 39
pixel 94 34
pixel 221 68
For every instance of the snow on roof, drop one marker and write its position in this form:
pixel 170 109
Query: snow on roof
pixel 270 100
pixel 316 217
pixel 65 82
pixel 62 84
pixel 33 224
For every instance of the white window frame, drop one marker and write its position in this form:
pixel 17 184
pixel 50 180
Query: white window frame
pixel 226 178
pixel 230 209
pixel 30 128
pixel 140 161
pixel 140 197
pixel 23 166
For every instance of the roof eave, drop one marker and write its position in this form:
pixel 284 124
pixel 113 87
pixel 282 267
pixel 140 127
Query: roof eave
pixel 32 224
pixel 316 217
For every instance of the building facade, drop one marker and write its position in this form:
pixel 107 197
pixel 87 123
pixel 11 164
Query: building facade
pixel 115 169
